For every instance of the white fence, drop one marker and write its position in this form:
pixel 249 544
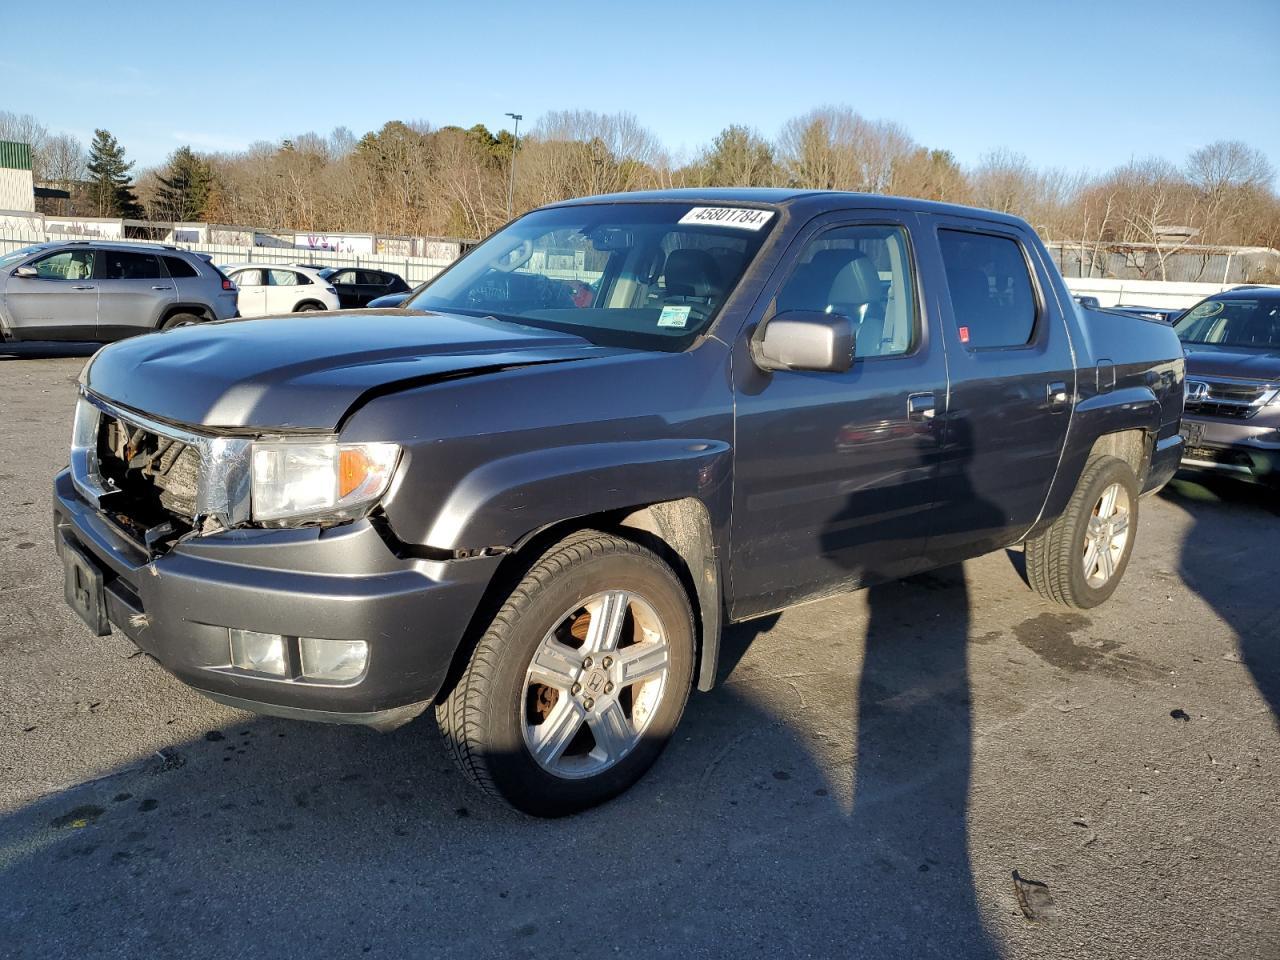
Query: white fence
pixel 1143 293
pixel 414 269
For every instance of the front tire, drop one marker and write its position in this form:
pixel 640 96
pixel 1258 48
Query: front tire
pixel 579 681
pixel 1081 558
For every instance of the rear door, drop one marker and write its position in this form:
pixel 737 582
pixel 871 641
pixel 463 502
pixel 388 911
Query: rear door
pixel 835 474
pixel 284 289
pixel 373 284
pixel 60 302
pixel 1012 385
pixel 252 297
pixel 134 291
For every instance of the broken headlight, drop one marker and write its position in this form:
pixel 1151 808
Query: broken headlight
pixel 298 481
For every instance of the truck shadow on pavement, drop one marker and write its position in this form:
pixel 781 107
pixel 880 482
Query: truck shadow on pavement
pixel 770 826
pixel 1238 584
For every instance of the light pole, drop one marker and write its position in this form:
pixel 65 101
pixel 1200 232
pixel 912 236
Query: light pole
pixel 515 145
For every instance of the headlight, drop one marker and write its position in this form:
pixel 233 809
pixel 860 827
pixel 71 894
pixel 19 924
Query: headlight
pixel 301 480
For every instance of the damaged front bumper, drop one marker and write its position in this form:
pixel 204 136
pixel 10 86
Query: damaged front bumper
pixel 340 583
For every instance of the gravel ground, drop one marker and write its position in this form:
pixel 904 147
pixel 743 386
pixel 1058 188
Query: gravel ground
pixel 864 782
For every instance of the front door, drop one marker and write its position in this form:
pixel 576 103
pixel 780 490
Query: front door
pixel 835 474
pixel 60 302
pixel 1013 385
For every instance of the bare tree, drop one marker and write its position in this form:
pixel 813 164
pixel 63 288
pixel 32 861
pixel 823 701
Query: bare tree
pixel 835 148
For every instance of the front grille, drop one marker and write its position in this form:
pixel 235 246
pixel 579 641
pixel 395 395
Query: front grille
pixel 1226 411
pixel 1227 399
pixel 155 478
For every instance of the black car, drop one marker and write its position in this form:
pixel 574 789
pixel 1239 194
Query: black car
pixel 1163 314
pixel 356 287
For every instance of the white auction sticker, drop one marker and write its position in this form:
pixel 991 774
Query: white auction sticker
pixel 744 218
pixel 674 317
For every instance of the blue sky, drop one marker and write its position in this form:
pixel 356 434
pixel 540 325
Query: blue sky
pixel 1079 85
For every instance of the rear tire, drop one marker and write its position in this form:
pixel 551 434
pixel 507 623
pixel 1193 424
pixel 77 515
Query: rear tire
pixel 179 320
pixel 1080 559
pixel 579 681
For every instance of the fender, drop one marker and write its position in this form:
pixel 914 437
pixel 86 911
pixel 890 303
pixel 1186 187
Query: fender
pixel 1128 408
pixel 504 501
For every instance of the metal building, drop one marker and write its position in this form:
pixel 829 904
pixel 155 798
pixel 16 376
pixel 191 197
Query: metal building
pixel 17 190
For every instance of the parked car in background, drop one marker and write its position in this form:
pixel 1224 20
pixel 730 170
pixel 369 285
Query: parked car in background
pixel 395 299
pixel 266 290
pixel 1232 418
pixel 533 511
pixel 1163 314
pixel 357 286
pixel 101 290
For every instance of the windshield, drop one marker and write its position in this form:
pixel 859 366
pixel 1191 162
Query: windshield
pixel 647 275
pixel 1233 323
pixel 18 255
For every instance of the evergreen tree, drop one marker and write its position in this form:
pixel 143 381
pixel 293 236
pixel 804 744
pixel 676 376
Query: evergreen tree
pixel 184 188
pixel 110 191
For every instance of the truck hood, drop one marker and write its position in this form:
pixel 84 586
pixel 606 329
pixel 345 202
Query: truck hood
pixel 305 372
pixel 1241 363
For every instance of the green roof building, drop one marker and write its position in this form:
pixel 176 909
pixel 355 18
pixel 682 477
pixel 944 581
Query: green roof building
pixel 17 190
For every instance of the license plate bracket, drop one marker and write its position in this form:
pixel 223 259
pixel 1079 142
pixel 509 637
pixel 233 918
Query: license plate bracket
pixel 84 590
pixel 1192 433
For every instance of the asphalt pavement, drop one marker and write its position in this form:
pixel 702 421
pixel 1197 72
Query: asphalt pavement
pixel 864 782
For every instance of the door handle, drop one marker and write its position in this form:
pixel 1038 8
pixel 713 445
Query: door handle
pixel 921 406
pixel 83 287
pixel 162 288
pixel 1057 396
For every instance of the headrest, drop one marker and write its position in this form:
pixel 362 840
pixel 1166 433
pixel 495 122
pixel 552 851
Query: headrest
pixel 692 273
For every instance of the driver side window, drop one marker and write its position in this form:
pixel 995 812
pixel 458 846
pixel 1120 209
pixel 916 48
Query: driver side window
pixel 66 265
pixel 863 273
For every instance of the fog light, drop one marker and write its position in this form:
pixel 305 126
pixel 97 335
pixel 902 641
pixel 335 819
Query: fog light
pixel 336 660
pixel 260 652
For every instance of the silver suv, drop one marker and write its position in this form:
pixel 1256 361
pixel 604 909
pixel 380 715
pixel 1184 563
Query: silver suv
pixel 93 290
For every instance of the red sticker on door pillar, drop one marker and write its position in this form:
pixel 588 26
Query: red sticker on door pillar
pixel 964 334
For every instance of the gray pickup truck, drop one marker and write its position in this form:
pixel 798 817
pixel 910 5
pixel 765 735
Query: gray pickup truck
pixel 531 499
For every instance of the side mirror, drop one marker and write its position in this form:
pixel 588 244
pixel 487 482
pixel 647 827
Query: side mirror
pixel 805 340
pixel 28 272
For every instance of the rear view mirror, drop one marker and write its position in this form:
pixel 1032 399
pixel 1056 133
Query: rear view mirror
pixel 805 340
pixel 26 272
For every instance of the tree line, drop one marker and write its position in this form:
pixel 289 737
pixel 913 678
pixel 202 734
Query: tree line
pixel 415 179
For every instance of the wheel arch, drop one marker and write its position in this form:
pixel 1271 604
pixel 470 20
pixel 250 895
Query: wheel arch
pixel 173 309
pixel 1123 424
pixel 309 302
pixel 680 532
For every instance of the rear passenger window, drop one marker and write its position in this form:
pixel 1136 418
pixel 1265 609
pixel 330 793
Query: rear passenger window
pixel 991 292
pixel 373 278
pixel 343 276
pixel 179 269
pixel 248 278
pixel 124 265
pixel 286 278
pixel 863 273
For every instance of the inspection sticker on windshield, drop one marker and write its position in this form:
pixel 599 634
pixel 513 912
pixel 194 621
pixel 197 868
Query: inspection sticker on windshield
pixel 673 317
pixel 744 218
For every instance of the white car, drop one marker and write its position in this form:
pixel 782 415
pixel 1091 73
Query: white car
pixel 267 289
